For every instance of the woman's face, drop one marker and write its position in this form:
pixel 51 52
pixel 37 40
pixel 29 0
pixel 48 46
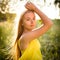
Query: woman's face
pixel 29 21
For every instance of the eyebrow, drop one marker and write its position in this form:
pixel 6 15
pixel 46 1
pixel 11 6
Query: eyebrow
pixel 29 17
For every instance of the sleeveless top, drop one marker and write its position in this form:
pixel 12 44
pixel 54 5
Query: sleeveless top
pixel 32 52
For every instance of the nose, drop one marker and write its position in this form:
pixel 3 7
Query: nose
pixel 32 21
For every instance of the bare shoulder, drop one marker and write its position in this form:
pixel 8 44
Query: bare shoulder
pixel 23 43
pixel 26 38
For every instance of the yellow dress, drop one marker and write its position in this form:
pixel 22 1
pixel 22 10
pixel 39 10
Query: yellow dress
pixel 32 52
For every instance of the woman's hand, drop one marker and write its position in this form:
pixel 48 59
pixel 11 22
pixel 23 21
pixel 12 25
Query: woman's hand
pixel 30 6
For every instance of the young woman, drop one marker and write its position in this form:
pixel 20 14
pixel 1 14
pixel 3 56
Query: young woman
pixel 27 47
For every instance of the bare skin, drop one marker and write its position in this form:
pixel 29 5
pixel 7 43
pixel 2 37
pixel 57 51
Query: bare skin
pixel 29 34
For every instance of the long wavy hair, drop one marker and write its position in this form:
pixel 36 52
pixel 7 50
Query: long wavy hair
pixel 15 50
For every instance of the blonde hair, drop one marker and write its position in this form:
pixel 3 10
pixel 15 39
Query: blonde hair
pixel 15 51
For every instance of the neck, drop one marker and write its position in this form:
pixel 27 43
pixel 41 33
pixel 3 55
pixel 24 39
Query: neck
pixel 26 30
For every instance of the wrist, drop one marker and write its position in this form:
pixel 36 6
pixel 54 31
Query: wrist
pixel 36 9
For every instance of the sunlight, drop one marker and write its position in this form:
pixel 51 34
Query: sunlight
pixel 49 10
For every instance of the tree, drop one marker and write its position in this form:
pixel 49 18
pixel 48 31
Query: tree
pixel 4 6
pixel 4 11
pixel 57 2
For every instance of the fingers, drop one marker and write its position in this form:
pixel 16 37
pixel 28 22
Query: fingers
pixel 28 3
pixel 30 6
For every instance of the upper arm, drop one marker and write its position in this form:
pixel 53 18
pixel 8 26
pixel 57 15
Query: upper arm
pixel 27 37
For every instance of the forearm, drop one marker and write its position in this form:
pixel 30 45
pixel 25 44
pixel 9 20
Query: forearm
pixel 44 18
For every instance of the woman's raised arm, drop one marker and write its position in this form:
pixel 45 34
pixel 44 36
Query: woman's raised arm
pixel 44 18
pixel 47 23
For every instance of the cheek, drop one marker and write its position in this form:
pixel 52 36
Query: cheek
pixel 26 23
pixel 35 23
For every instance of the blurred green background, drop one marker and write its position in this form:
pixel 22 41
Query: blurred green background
pixel 50 41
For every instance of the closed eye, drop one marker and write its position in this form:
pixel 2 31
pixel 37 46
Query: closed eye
pixel 34 18
pixel 28 19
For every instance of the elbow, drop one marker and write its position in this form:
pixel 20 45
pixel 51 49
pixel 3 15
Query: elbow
pixel 50 24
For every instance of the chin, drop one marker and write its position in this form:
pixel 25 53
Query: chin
pixel 31 28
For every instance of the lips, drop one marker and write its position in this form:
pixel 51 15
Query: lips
pixel 32 25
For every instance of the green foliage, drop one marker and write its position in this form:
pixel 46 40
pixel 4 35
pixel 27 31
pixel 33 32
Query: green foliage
pixel 2 17
pixel 7 17
pixel 5 36
pixel 10 17
pixel 50 42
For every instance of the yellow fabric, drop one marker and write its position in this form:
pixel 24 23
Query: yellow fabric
pixel 32 52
